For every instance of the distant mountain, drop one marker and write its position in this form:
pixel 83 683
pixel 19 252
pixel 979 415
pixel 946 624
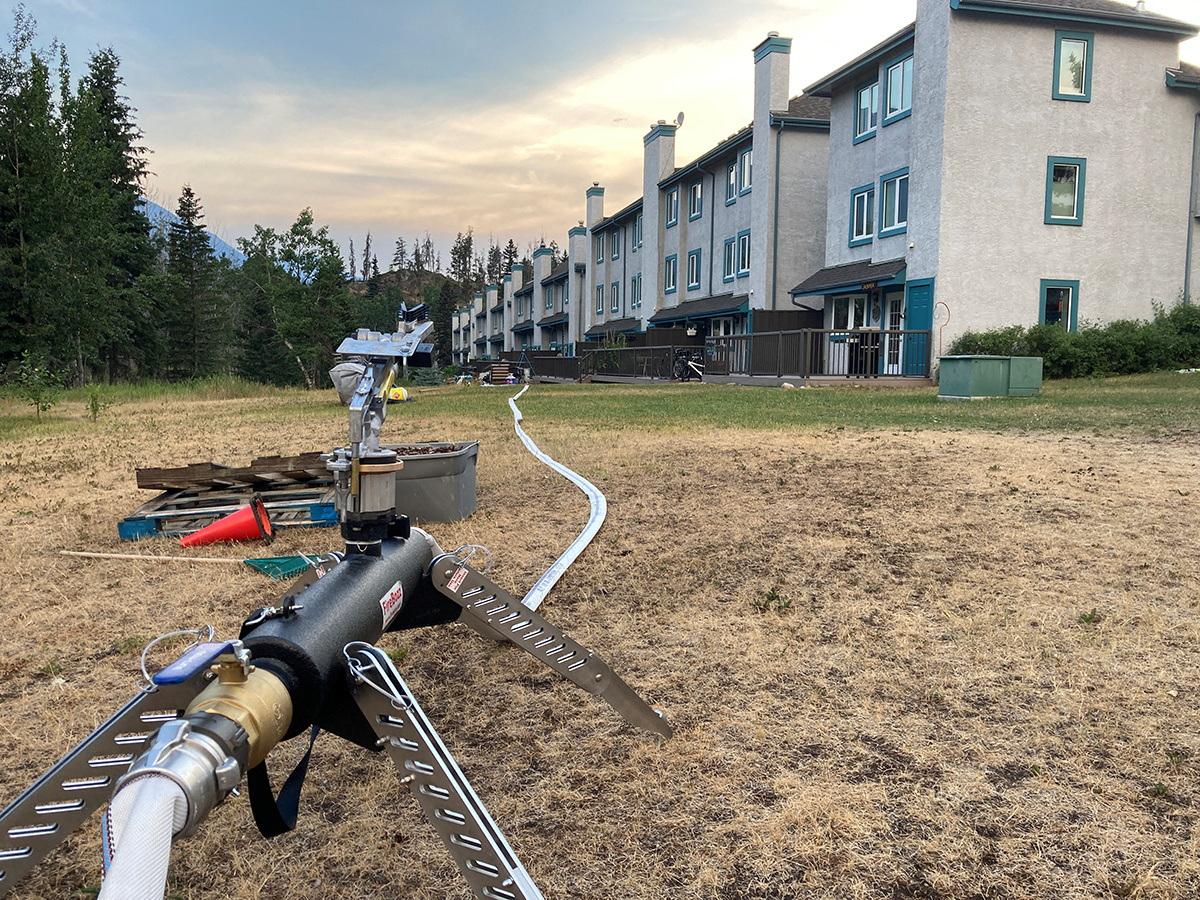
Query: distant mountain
pixel 160 216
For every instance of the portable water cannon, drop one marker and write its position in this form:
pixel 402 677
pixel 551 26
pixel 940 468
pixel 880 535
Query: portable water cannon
pixel 309 663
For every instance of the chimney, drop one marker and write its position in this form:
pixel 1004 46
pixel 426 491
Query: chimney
pixel 772 63
pixel 595 204
pixel 1141 6
pixel 579 256
pixel 658 161
pixel 659 150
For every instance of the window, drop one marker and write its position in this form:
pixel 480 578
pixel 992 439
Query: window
pixel 695 200
pixel 671 274
pixel 599 299
pixel 849 312
pixel 1059 303
pixel 746 171
pixel 616 296
pixel 672 206
pixel 1065 176
pixel 599 239
pixel 693 270
pixel 899 91
pixel 866 116
pixel 729 264
pixel 893 205
pixel 635 291
pixel 730 183
pixel 1073 66
pixel 615 240
pixel 743 254
pixel 550 297
pixel 566 293
pixel 636 238
pixel 862 215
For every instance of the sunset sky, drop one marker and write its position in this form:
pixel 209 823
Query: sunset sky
pixel 402 117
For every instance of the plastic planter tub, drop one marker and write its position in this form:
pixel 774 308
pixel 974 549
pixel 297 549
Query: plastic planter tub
pixel 437 483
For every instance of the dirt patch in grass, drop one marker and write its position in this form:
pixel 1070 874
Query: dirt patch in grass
pixel 904 665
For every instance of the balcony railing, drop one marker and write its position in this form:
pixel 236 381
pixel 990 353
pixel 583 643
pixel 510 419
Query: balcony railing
pixel 566 367
pixel 629 362
pixel 812 353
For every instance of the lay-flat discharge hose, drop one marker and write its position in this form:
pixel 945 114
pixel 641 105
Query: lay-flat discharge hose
pixel 139 826
pixel 597 501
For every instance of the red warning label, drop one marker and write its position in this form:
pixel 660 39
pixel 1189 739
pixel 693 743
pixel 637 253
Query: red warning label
pixel 391 602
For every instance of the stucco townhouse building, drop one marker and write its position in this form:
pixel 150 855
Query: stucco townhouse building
pixel 1005 162
pixel 711 242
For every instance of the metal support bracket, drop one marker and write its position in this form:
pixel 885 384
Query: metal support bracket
pixel 59 802
pixel 450 804
pixel 492 611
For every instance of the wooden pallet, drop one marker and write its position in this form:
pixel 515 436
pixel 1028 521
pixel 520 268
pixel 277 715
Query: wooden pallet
pixel 179 512
pixel 264 472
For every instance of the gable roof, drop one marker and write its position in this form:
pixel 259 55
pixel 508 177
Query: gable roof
pixel 824 87
pixel 622 213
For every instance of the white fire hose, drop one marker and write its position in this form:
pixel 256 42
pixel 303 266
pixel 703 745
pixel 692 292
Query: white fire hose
pixel 599 509
pixel 142 819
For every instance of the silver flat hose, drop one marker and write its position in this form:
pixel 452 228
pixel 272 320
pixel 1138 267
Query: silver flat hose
pixel 599 509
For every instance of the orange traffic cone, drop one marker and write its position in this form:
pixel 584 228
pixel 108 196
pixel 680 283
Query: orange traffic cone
pixel 247 524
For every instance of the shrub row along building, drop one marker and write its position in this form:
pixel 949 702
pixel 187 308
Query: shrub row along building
pixel 997 162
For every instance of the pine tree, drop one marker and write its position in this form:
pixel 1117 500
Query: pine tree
pixel 198 324
pixel 511 254
pixel 366 258
pixel 374 266
pixel 429 254
pixel 493 264
pixel 418 261
pixel 353 263
pixel 400 256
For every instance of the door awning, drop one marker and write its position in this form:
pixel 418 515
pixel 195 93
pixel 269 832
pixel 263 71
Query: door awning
pixel 851 278
pixel 704 308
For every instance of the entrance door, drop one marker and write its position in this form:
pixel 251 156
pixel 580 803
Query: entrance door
pixel 893 341
pixel 849 314
pixel 918 316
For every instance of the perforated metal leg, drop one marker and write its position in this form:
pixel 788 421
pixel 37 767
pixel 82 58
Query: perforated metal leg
pixel 490 609
pixel 54 806
pixel 426 766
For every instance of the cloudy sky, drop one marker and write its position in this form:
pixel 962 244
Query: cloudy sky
pixel 401 117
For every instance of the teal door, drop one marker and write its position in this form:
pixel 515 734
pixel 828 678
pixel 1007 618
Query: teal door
pixel 918 316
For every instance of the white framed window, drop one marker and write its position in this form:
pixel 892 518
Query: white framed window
pixel 729 263
pixel 599 239
pixel 615 240
pixel 696 200
pixel 599 299
pixel 671 274
pixel 866 117
pixel 1065 179
pixel 693 270
pixel 636 238
pixel 731 183
pixel 615 299
pixel 743 253
pixel 635 291
pixel 550 297
pixel 862 216
pixel 1073 65
pixel 672 206
pixel 893 214
pixel 899 90
pixel 745 171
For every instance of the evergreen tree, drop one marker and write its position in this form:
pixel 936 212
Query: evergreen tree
pixel 366 258
pixel 353 263
pixel 510 257
pixel 418 260
pixel 197 323
pixel 400 256
pixel 493 264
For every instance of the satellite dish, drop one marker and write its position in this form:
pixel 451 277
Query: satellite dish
pixel 679 120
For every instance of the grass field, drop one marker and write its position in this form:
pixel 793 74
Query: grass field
pixel 911 649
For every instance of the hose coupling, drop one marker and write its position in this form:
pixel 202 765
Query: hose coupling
pixel 204 754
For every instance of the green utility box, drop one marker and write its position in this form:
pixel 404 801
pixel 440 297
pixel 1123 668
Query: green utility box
pixel 980 377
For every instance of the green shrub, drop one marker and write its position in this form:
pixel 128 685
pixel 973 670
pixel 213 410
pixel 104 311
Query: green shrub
pixel 1171 340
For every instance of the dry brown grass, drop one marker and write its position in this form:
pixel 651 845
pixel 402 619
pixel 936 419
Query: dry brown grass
pixel 878 650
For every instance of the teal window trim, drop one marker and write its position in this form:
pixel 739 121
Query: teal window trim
pixel 599 299
pixel 671 265
pixel 614 242
pixel 731 184
pixel 599 248
pixel 672 221
pixel 1073 316
pixel 615 301
pixel 693 215
pixel 729 252
pixel 744 186
pixel 855 193
pixel 886 90
pixel 1090 39
pixel 743 273
pixel 880 231
pixel 696 255
pixel 1080 184
pixel 870 132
